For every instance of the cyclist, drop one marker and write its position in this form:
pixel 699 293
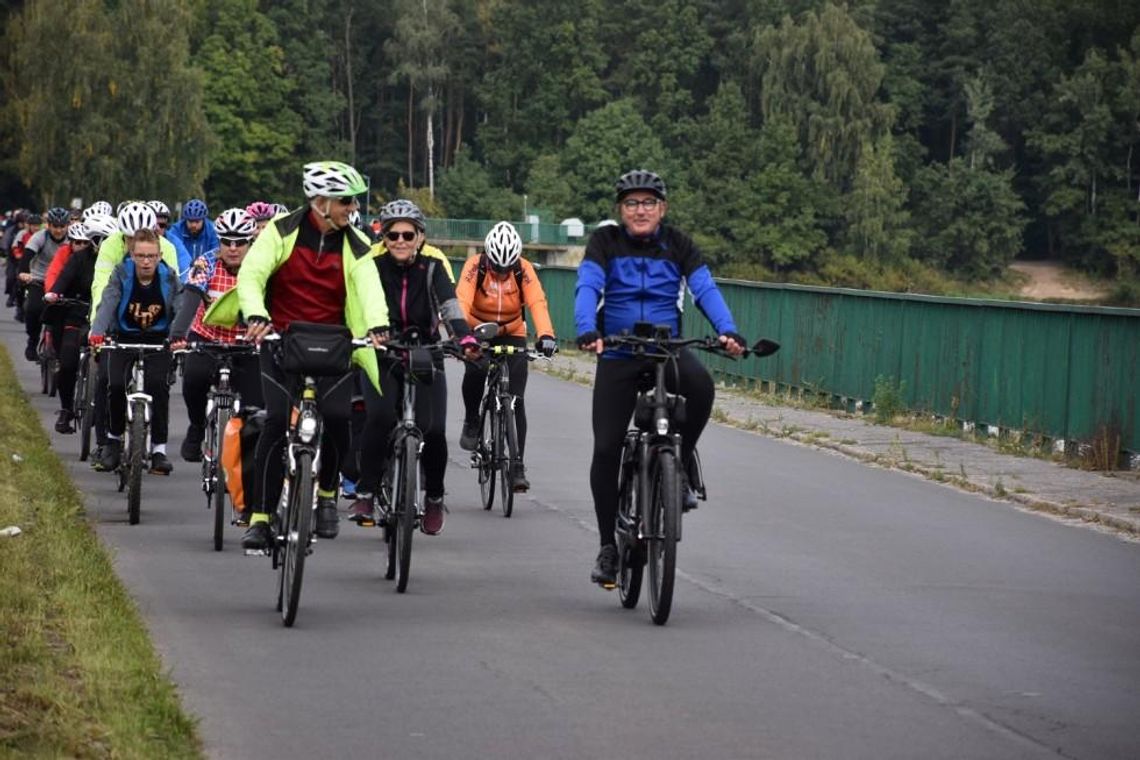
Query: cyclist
pixel 32 226
pixel 69 327
pixel 138 306
pixel 195 230
pixel 307 266
pixel 418 292
pixel 38 254
pixel 13 251
pixel 637 271
pixel 204 286
pixel 133 217
pixel 495 287
pixel 261 213
pixel 162 226
pixel 425 249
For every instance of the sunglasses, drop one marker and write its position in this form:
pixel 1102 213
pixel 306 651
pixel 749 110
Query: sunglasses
pixel 394 236
pixel 234 242
pixel 346 200
pixel 648 203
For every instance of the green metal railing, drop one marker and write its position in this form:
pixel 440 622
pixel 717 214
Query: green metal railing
pixel 1064 372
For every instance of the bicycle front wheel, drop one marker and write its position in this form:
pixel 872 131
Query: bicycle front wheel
pixel 509 448
pixel 84 414
pixel 389 504
pixel 297 524
pixel 45 375
pixel 486 453
pixel 664 511
pixel 136 461
pixel 406 514
pixel 216 437
pixel 631 549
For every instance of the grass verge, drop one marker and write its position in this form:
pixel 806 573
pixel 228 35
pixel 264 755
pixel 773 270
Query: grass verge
pixel 78 674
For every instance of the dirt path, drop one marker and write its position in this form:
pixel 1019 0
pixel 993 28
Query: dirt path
pixel 1048 279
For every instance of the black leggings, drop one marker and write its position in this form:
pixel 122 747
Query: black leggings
pixel 68 337
pixel 155 375
pixel 384 411
pixel 615 393
pixel 33 312
pixel 198 375
pixel 334 400
pixel 476 375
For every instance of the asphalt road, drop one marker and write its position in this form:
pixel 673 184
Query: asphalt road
pixel 824 610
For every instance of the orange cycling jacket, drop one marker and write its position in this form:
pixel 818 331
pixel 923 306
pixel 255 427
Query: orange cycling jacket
pixel 498 299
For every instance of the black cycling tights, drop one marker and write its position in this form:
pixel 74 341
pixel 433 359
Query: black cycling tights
pixel 615 393
pixel 475 375
pixel 334 399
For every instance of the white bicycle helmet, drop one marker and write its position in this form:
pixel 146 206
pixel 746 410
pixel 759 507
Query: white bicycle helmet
pixel 332 179
pixel 78 231
pixel 100 227
pixel 235 223
pixel 136 216
pixel 160 208
pixel 98 208
pixel 503 245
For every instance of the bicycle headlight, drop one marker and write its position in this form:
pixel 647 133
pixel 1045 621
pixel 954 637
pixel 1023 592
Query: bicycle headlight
pixel 663 426
pixel 307 429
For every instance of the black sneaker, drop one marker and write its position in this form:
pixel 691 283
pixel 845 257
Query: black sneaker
pixel 63 422
pixel 257 537
pixel 110 456
pixel 519 483
pixel 191 450
pixel 30 354
pixel 470 435
pixel 160 464
pixel 605 569
pixel 328 521
pixel 19 315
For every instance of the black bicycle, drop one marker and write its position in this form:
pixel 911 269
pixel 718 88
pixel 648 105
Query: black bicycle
pixel 222 404
pixel 496 451
pixel 136 439
pixel 399 502
pixel 309 356
pixel 84 404
pixel 648 525
pixel 47 353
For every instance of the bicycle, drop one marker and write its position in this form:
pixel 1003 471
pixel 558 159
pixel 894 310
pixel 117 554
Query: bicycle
pixel 648 525
pixel 497 448
pixel 136 438
pixel 47 353
pixel 84 404
pixel 399 503
pixel 222 404
pixel 293 537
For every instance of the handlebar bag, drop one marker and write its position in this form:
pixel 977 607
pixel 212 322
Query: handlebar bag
pixel 308 348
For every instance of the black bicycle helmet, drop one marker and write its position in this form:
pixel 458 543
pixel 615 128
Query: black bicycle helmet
pixel 58 217
pixel 640 179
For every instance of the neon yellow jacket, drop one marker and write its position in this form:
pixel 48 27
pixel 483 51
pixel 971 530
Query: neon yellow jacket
pixel 112 252
pixel 365 306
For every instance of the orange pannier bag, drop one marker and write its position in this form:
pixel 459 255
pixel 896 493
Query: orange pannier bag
pixel 231 461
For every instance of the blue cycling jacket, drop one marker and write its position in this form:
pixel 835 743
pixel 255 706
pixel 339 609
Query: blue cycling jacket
pixel 644 280
pixel 195 245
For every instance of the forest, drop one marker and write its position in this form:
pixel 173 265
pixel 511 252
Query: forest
pixel 877 143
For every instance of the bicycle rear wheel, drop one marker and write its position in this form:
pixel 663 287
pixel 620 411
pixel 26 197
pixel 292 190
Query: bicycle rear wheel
pixel 510 455
pixel 297 524
pixel 486 452
pixel 387 497
pixel 45 375
pixel 215 440
pixel 664 511
pixel 631 549
pixel 406 506
pixel 136 461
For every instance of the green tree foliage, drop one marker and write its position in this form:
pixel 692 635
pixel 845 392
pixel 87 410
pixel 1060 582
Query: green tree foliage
pixel 246 105
pixel 467 192
pixel 824 73
pixel 877 224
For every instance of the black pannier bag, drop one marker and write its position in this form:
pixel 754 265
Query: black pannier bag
pixel 308 348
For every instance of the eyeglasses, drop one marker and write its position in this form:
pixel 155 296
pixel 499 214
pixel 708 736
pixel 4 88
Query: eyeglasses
pixel 144 256
pixel 162 224
pixel 646 203
pixel 348 200
pixel 234 242
pixel 394 236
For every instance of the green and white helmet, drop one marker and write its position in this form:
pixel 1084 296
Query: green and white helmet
pixel 332 179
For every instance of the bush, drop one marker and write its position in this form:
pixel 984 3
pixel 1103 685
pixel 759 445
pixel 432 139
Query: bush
pixel 888 399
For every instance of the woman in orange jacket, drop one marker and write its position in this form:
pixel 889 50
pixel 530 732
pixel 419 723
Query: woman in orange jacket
pixel 496 286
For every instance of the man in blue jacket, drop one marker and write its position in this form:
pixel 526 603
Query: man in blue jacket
pixel 194 231
pixel 638 271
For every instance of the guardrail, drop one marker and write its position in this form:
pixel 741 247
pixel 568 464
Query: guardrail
pixel 1068 373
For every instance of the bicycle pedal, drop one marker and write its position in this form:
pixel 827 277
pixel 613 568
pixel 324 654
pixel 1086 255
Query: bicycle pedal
pixel 256 552
pixel 608 586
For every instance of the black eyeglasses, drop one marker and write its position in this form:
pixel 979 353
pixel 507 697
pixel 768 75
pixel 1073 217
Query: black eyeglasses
pixel 234 242
pixel 646 203
pixel 394 236
pixel 348 200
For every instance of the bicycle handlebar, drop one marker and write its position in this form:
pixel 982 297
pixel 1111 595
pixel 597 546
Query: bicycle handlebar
pixel 668 346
